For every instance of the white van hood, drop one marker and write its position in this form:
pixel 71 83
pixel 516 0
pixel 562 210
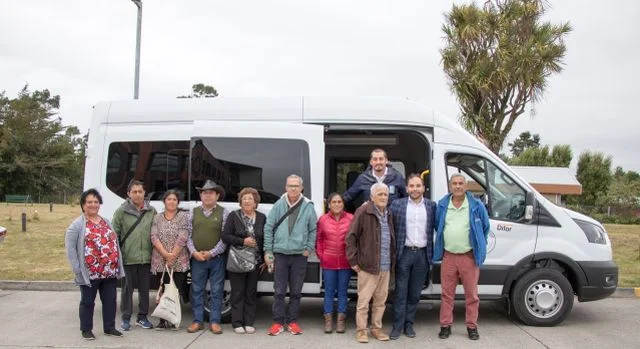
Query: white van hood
pixel 580 216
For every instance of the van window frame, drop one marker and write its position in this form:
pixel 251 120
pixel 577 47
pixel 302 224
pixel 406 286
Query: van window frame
pixel 489 205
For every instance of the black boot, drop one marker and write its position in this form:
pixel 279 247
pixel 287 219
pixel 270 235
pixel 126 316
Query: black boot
pixel 445 332
pixel 473 333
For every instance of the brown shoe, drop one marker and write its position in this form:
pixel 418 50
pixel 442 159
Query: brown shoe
pixel 216 328
pixel 195 327
pixel 328 323
pixel 341 324
pixel 362 337
pixel 378 334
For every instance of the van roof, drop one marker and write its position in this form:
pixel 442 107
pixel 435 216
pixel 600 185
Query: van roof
pixel 312 110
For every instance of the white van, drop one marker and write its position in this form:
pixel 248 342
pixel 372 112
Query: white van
pixel 539 255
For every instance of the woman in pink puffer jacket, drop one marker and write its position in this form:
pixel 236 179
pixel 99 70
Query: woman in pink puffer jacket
pixel 331 249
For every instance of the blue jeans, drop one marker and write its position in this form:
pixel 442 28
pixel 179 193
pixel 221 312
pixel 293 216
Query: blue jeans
pixel 212 270
pixel 336 281
pixel 411 272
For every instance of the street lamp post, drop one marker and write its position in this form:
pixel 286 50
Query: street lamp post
pixel 136 83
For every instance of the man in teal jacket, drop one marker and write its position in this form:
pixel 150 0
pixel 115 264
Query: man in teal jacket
pixel 288 243
pixel 135 243
pixel 462 227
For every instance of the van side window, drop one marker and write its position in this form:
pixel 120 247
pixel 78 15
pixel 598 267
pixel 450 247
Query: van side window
pixel 504 199
pixel 262 163
pixel 160 165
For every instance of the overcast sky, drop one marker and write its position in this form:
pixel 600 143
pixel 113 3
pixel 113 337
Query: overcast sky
pixel 84 51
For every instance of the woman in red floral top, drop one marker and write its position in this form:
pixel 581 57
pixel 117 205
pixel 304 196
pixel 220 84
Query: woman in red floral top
pixel 169 234
pixel 95 258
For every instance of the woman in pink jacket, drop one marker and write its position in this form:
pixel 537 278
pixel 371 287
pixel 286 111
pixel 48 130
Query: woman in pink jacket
pixel 331 250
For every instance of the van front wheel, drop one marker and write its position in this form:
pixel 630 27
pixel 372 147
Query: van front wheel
pixel 542 297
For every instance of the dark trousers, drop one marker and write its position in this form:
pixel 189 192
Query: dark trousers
pixel 289 271
pixel 411 272
pixel 244 295
pixel 136 276
pixel 108 294
pixel 179 279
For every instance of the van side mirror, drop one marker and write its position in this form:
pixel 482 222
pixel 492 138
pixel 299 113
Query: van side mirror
pixel 529 201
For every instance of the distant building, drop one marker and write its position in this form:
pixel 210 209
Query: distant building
pixel 552 182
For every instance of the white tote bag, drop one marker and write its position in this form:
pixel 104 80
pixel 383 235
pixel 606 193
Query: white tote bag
pixel 169 306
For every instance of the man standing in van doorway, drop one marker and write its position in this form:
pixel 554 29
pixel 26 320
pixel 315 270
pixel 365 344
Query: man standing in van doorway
pixel 207 256
pixel 413 220
pixel 371 254
pixel 378 171
pixel 132 222
pixel 289 239
pixel 462 227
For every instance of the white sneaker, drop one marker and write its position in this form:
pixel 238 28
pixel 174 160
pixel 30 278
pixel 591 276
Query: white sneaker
pixel 239 330
pixel 250 329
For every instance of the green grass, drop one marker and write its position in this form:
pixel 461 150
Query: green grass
pixel 39 253
pixel 626 252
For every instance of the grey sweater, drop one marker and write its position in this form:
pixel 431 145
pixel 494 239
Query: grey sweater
pixel 74 244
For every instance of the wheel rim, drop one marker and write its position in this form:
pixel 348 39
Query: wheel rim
pixel 544 299
pixel 226 302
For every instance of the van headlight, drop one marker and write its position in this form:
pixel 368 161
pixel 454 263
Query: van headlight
pixel 595 233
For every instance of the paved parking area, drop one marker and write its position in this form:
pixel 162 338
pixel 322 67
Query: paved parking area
pixel 45 319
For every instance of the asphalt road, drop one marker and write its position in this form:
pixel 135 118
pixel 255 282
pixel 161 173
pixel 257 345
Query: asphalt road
pixel 45 319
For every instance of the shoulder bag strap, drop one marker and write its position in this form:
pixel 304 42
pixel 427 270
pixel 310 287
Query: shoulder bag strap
pixel 275 226
pixel 124 238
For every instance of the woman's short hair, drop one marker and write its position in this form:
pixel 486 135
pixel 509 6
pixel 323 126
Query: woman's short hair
pixel 249 190
pixel 86 193
pixel 171 192
pixel 332 195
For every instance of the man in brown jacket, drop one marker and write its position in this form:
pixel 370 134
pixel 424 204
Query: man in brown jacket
pixel 371 254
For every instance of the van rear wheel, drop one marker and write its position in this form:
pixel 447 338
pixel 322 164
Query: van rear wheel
pixel 542 297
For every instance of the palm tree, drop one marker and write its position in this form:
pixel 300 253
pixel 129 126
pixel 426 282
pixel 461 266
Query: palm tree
pixel 498 58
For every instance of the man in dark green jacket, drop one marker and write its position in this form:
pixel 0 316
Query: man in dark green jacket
pixel 132 222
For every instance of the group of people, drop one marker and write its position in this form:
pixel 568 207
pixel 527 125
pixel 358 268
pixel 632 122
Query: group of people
pixel 391 235
pixel 395 233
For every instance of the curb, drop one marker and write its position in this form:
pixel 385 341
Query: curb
pixel 626 292
pixel 621 292
pixel 37 285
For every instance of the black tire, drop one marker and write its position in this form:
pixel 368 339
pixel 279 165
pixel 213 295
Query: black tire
pixel 542 297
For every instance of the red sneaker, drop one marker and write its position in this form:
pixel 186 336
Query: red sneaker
pixel 275 329
pixel 294 328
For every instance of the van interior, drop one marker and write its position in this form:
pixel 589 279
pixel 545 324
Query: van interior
pixel 347 154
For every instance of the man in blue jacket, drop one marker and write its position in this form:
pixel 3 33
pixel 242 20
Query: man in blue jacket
pixel 462 227
pixel 413 219
pixel 289 239
pixel 378 171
